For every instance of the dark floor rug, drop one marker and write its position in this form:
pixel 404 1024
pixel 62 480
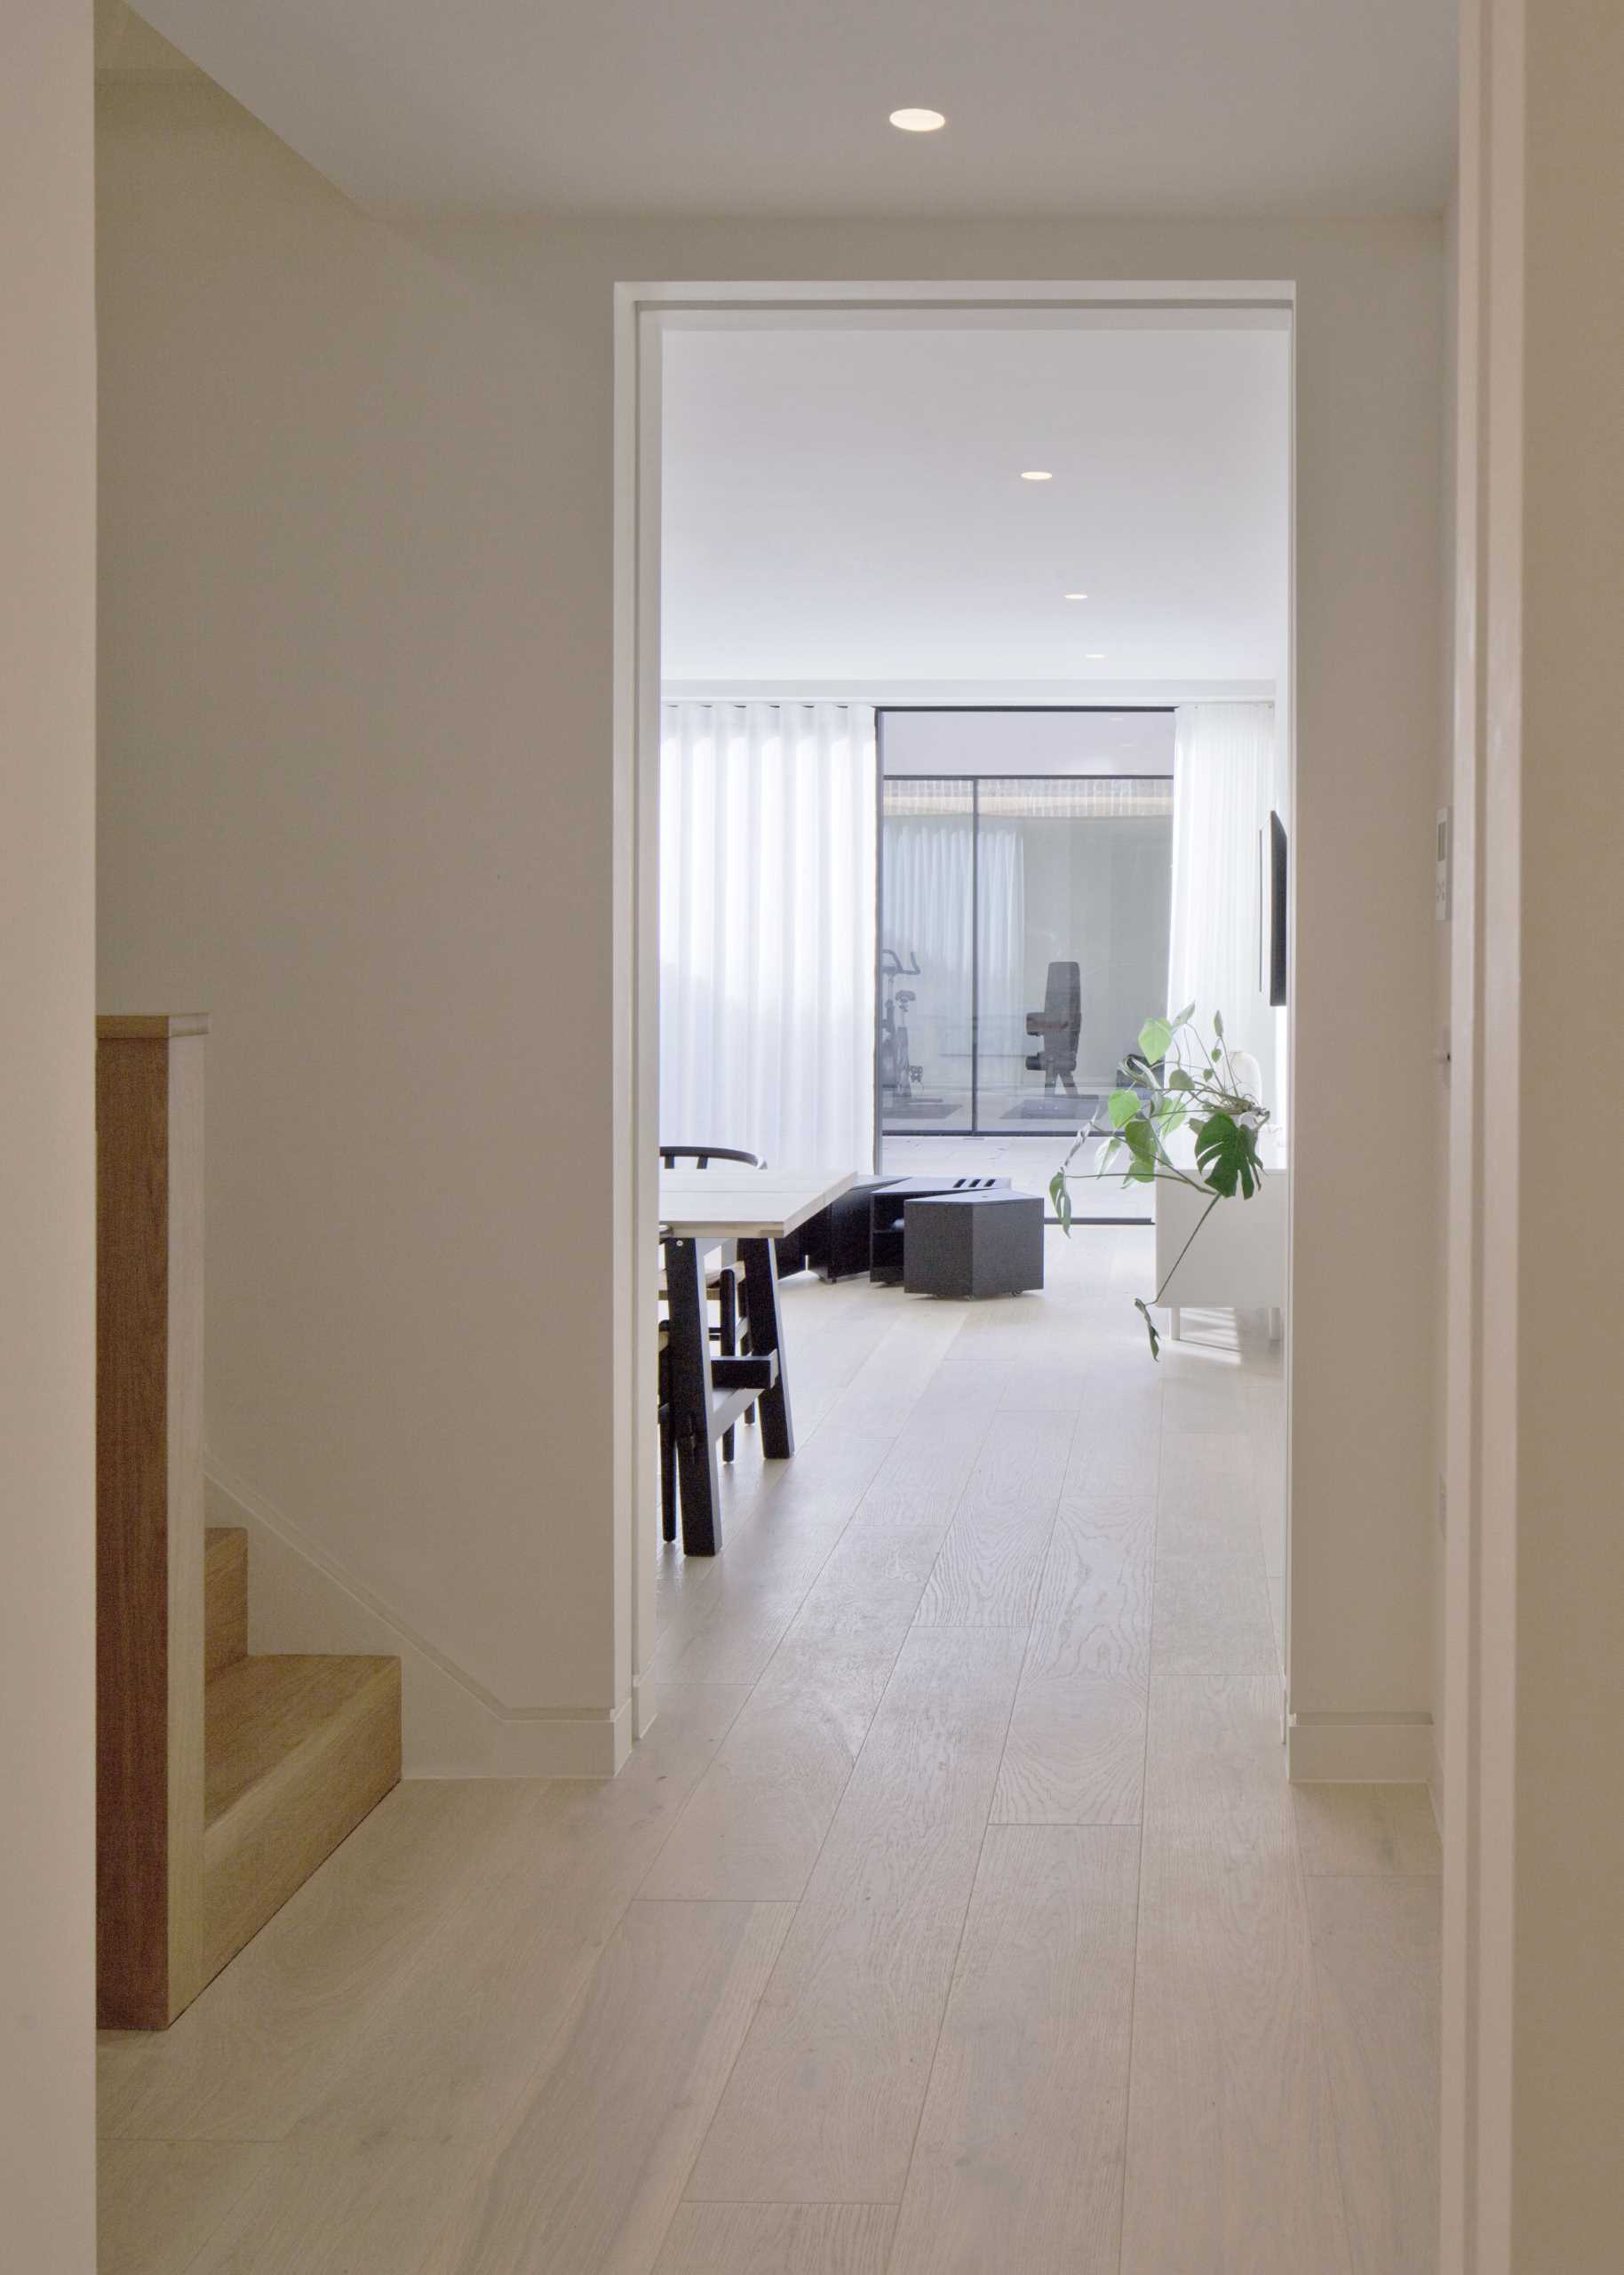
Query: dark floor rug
pixel 1053 1106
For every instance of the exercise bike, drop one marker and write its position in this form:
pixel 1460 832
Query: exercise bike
pixel 898 1071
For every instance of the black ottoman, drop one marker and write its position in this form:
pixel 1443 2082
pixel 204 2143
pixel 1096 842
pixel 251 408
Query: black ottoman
pixel 839 1238
pixel 972 1244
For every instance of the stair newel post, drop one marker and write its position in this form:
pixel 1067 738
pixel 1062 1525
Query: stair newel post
pixel 149 1518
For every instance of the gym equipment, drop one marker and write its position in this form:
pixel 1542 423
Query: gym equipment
pixel 897 1074
pixel 1058 1025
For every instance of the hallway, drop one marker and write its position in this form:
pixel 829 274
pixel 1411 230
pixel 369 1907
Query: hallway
pixel 956 1914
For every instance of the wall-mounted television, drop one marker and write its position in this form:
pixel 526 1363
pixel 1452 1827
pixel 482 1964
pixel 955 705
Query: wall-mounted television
pixel 1277 909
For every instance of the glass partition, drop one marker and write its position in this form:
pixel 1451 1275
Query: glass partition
pixel 1023 939
pixel 926 1012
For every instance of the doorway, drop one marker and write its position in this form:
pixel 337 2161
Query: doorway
pixel 1000 1096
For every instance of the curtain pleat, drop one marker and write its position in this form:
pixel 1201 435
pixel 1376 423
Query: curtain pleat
pixel 766 929
pixel 1222 764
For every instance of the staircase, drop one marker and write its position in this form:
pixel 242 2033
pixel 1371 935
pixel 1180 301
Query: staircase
pixel 297 1749
pixel 222 1778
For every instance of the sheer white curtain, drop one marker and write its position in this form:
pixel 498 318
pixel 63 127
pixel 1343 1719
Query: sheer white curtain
pixel 930 898
pixel 1222 765
pixel 766 929
pixel 1001 1004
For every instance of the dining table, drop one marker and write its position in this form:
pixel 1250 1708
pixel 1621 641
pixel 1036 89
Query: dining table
pixel 754 1209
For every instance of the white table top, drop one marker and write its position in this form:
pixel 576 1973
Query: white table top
pixel 731 1202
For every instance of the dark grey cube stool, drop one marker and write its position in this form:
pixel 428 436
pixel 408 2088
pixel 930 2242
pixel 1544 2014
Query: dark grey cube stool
pixel 889 1205
pixel 972 1244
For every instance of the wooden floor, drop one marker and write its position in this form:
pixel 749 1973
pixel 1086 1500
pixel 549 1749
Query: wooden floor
pixel 955 1917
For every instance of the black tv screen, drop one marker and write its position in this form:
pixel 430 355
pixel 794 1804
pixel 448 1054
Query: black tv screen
pixel 1277 909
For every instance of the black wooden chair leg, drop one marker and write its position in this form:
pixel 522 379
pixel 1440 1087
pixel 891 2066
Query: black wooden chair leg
pixel 688 1359
pixel 668 1477
pixel 728 1294
pixel 762 1311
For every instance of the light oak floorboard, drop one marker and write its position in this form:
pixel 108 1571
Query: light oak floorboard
pixel 1376 1945
pixel 454 2052
pixel 1208 1498
pixel 779 1521
pixel 756 1819
pixel 1115 1454
pixel 157 2202
pixel 1203 1391
pixel 266 2036
pixel 993 1558
pixel 886 1555
pixel 840 1654
pixel 1276 1612
pixel 1212 1617
pixel 735 1643
pixel 365 2208
pixel 1049 1385
pixel 590 2175
pixel 1366 1829
pixel 778 2239
pixel 1231 2149
pixel 882 1398
pixel 823 2105
pixel 1075 1752
pixel 409 2017
pixel 959 1391
pixel 1019 2159
pixel 1091 1614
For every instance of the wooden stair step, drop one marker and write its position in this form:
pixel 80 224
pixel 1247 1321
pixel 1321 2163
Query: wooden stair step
pixel 298 1748
pixel 225 1597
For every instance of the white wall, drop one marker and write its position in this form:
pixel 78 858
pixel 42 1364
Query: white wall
pixel 1568 2110
pixel 357 676
pixel 1533 2012
pixel 47 1169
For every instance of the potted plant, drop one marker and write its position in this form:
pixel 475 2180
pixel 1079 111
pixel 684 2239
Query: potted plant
pixel 1175 1077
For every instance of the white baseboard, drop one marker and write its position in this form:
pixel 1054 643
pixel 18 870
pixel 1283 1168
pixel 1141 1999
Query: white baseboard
pixel 1359 1749
pixel 645 1707
pixel 451 1727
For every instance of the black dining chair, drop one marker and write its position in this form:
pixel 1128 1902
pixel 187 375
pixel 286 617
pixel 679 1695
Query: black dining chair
pixel 725 1283
pixel 702 1156
pixel 668 1443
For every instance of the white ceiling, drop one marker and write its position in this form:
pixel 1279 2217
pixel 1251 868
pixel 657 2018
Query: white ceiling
pixel 776 107
pixel 847 506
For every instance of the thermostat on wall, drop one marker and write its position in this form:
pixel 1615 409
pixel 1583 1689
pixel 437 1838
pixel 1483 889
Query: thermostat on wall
pixel 1443 852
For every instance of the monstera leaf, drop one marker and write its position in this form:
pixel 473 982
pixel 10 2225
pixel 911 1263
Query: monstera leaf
pixel 1225 1155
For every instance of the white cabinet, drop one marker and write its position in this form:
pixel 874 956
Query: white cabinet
pixel 1238 1262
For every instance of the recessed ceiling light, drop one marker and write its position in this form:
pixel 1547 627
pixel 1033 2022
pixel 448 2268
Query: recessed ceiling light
pixel 1036 474
pixel 1095 656
pixel 917 121
pixel 1077 597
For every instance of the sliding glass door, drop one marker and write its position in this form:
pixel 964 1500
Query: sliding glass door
pixel 1023 927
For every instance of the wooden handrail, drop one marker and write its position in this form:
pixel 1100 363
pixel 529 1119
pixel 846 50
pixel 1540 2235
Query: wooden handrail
pixel 149 1518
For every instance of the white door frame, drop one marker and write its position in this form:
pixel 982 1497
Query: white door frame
pixel 644 313
pixel 1481 1339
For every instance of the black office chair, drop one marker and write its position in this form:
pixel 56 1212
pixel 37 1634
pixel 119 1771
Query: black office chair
pixel 1059 1025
